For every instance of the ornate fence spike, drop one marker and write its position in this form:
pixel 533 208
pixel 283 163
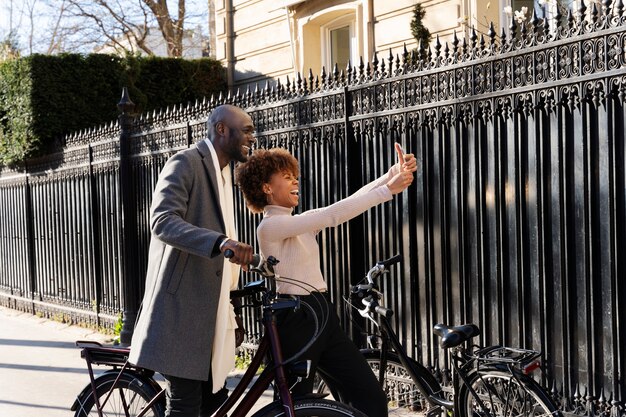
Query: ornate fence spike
pixel 383 68
pixel 311 80
pixel 405 58
pixel 473 38
pixel 413 61
pixel 336 79
pixel 513 28
pixel 361 67
pixel 323 77
pixel 437 47
pixel 239 97
pixel 491 32
pixel 280 93
pixel 534 22
pixel 619 7
pixel 348 72
pixel 375 62
pixel 256 95
pixel 455 47
pixel 503 40
pixel 288 85
pixel 523 32
pixel 267 91
pixel 582 11
pixel 273 92
pixel 570 20
pixel 299 83
pixel 594 13
pixel 463 52
pixel 248 95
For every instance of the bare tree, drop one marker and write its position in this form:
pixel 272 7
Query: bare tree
pixel 98 22
pixel 172 29
pixel 126 24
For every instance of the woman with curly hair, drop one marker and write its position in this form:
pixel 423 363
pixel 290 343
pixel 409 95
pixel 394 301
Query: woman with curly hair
pixel 269 182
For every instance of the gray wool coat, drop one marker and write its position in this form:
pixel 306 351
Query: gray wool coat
pixel 176 324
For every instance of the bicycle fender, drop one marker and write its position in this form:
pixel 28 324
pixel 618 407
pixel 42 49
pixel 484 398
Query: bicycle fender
pixel 86 392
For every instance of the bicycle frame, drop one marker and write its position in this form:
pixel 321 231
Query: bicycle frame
pixel 269 343
pixel 94 353
pixel 422 377
pixel 517 362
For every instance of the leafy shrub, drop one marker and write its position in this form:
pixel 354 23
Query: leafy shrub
pixel 44 97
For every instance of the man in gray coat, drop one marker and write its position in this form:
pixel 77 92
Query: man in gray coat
pixel 186 321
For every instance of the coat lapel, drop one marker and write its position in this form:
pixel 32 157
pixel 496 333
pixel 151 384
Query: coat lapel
pixel 207 161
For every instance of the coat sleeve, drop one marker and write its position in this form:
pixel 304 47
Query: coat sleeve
pixel 170 204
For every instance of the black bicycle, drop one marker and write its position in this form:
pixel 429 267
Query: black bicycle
pixel 493 381
pixel 128 390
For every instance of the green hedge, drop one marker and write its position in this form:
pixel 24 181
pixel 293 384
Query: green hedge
pixel 44 97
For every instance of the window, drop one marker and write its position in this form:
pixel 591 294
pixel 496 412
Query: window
pixel 340 47
pixel 327 37
pixel 338 43
pixel 522 10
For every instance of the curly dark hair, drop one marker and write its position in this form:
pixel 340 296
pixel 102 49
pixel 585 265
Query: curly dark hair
pixel 258 169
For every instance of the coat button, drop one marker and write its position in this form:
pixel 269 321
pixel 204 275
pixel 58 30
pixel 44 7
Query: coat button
pixel 218 272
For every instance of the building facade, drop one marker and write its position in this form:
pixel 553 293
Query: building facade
pixel 260 40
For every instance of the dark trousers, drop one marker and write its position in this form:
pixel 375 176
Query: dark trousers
pixel 191 398
pixel 333 355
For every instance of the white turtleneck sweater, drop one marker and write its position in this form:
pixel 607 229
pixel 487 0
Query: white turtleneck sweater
pixel 292 238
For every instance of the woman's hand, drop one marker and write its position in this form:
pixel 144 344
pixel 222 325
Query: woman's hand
pixel 400 182
pixel 406 162
pixel 401 174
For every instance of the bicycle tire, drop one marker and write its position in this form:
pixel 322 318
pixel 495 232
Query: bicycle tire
pixel 131 389
pixel 310 408
pixel 505 395
pixel 404 398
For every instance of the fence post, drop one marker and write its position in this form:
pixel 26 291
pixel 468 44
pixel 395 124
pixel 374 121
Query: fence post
pixel 129 221
pixel 30 239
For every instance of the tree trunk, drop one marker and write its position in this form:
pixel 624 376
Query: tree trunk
pixel 172 29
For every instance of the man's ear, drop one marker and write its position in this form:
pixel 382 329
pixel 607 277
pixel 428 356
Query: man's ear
pixel 219 127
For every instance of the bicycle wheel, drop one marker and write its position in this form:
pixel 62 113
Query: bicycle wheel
pixel 503 395
pixel 403 396
pixel 310 408
pixel 129 398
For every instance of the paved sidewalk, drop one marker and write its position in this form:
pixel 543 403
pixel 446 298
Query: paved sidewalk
pixel 41 370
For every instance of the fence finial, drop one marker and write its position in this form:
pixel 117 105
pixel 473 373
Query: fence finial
pixel 125 105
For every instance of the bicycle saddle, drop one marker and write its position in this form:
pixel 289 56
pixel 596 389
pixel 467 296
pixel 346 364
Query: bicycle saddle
pixel 452 336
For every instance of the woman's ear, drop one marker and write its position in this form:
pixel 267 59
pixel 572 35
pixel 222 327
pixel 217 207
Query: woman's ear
pixel 267 189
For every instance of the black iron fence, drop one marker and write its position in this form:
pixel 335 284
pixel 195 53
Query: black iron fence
pixel 516 220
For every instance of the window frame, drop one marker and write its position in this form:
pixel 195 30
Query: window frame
pixel 325 38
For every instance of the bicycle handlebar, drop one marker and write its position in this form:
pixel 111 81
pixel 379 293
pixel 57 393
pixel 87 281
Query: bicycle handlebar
pixel 260 265
pixel 369 293
pixel 393 260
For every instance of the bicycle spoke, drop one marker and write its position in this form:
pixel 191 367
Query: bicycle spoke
pixel 503 396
